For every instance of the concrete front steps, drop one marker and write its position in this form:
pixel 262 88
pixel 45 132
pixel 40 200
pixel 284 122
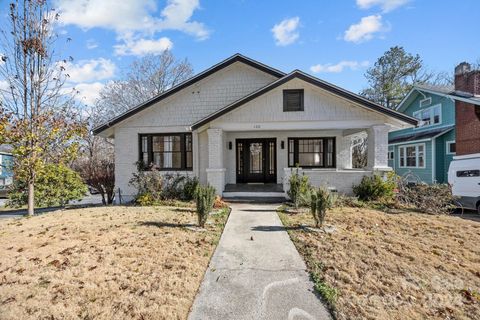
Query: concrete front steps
pixel 255 192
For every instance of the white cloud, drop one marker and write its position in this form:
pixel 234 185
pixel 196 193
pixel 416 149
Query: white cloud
pixel 88 93
pixel 365 29
pixel 90 70
pixel 339 67
pixel 132 16
pixel 177 16
pixel 386 5
pixel 142 47
pixel 92 44
pixel 285 32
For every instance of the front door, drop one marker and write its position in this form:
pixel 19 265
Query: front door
pixel 256 160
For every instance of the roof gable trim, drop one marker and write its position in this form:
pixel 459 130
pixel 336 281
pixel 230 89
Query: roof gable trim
pixel 202 75
pixel 314 81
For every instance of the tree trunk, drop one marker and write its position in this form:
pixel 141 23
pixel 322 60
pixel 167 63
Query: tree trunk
pixel 30 198
pixel 104 202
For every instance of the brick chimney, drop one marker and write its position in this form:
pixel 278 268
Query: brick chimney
pixel 467 116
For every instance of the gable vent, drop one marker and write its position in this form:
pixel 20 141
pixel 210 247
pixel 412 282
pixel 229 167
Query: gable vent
pixel 425 102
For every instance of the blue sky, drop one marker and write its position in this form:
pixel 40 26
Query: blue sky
pixel 333 40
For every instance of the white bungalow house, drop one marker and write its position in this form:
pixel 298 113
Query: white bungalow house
pixel 243 123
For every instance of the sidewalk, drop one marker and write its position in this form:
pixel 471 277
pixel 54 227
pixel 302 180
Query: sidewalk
pixel 263 278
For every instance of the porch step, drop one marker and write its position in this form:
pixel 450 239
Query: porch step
pixel 254 200
pixel 253 194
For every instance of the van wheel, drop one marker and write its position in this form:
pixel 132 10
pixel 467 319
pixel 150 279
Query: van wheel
pixel 478 207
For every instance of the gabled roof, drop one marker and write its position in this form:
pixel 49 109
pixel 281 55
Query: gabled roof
pixel 423 135
pixel 225 63
pixel 443 91
pixel 314 81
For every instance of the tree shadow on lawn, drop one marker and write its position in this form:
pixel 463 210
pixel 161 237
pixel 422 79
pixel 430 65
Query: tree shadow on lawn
pixel 160 224
pixel 275 228
pixel 189 210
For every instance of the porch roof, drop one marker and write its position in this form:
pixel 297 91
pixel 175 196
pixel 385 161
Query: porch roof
pixel 421 135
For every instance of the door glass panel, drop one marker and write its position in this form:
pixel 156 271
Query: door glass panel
pixel 256 156
pixel 240 158
pixel 271 158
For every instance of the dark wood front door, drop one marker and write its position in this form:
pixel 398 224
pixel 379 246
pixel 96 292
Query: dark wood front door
pixel 256 160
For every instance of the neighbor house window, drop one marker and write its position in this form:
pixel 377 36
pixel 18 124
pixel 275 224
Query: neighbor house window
pixel 293 100
pixel 390 155
pixel 430 116
pixel 311 152
pixel 167 151
pixel 451 147
pixel 412 156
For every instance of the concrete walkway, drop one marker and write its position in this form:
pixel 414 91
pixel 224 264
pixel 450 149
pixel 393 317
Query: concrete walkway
pixel 263 278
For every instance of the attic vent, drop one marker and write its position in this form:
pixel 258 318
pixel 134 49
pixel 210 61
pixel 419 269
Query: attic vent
pixel 425 102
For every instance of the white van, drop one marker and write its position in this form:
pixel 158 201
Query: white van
pixel 464 177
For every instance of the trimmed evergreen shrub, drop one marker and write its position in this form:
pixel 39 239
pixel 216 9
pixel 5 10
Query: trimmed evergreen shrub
pixel 321 201
pixel 373 188
pixel 205 197
pixel 190 184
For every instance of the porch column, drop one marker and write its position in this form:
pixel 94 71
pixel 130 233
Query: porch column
pixel 216 168
pixel 377 148
pixel 344 152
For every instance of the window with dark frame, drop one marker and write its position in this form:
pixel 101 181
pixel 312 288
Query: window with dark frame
pixel 311 152
pixel 293 100
pixel 468 173
pixel 167 151
pixel 451 147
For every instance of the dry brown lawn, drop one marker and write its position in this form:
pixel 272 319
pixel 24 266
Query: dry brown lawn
pixel 104 263
pixel 394 266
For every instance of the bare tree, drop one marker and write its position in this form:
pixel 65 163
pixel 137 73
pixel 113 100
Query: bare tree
pixel 36 118
pixel 95 163
pixel 146 78
pixel 359 151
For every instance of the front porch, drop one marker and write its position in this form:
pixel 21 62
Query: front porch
pixel 259 163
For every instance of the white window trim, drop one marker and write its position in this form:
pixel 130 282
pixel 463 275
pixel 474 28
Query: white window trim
pixel 439 105
pixel 429 99
pixel 447 145
pixel 1 164
pixel 416 156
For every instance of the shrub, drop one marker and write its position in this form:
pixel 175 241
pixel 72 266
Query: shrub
pixel 373 188
pixel 190 184
pixel 149 185
pixel 55 185
pixel 299 191
pixel 321 201
pixel 432 199
pixel 153 186
pixel 205 196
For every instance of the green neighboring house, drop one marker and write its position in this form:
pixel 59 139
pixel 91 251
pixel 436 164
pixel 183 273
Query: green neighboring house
pixel 427 150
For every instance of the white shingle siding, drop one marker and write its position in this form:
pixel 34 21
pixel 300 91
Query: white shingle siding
pixel 202 98
pixel 318 105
